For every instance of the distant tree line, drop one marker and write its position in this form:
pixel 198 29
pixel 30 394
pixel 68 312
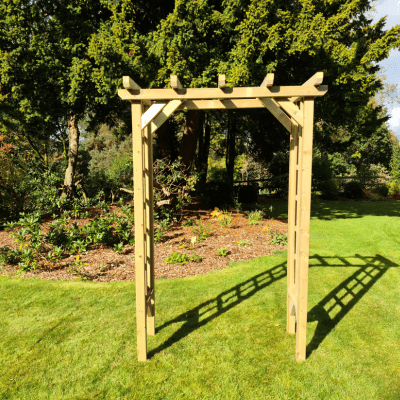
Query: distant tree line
pixel 61 63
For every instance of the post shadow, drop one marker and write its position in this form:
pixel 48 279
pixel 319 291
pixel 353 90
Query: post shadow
pixel 338 303
pixel 222 303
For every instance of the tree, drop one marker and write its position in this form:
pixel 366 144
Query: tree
pixel 247 39
pixel 57 65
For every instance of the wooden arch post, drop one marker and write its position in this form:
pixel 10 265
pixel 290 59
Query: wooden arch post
pixel 293 106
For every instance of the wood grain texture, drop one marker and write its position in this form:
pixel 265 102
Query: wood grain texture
pixel 139 210
pixel 305 211
pixel 227 93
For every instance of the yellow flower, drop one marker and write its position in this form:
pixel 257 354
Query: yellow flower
pixel 266 228
pixel 215 213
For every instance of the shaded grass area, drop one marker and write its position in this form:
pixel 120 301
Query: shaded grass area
pixel 221 335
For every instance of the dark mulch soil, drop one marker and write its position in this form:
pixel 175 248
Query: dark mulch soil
pixel 102 264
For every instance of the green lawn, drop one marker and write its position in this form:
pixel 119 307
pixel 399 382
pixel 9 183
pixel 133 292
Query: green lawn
pixel 221 335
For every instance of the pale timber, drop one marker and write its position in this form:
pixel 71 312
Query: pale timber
pixel 293 158
pixel 292 110
pixel 151 113
pixel 175 83
pixel 298 121
pixel 229 104
pixel 164 114
pixel 221 81
pixel 129 83
pixel 305 211
pixel 149 230
pixel 268 80
pixel 140 244
pixel 227 93
pixel 315 80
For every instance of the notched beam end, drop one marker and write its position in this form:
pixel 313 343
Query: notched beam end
pixel 175 83
pixel 318 78
pixel 129 83
pixel 268 80
pixel 221 81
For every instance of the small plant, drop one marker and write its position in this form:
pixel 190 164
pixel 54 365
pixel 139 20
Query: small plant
pixel 195 258
pixel 181 258
pixel 201 231
pixel 160 230
pixel 54 256
pixel 189 222
pixel 278 239
pixel 222 252
pixel 177 258
pixel 243 242
pixel 255 217
pixel 103 267
pixel 118 247
pixel 225 220
pixel 77 266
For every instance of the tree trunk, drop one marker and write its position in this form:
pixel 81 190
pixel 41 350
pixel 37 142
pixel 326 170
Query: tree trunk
pixel 204 150
pixel 73 138
pixel 166 142
pixel 193 125
pixel 230 151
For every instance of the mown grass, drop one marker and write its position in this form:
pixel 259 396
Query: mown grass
pixel 221 335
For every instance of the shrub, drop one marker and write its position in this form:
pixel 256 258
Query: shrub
pixel 247 193
pixel 394 188
pixel 216 194
pixel 353 190
pixel 381 190
pixel 329 189
pixel 278 168
pixel 321 172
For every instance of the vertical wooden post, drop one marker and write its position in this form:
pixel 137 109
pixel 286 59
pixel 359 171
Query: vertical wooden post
pixel 140 244
pixel 305 154
pixel 149 230
pixel 291 317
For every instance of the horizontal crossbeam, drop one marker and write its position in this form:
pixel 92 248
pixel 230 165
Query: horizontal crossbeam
pixel 218 93
pixel 315 80
pixel 229 104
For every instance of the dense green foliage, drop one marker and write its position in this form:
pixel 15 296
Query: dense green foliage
pixel 63 62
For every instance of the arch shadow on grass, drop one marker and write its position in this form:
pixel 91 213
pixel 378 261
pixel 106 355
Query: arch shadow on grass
pixel 328 312
pixel 338 303
pixel 211 309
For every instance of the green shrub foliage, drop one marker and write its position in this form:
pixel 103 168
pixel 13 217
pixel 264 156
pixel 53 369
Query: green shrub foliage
pixel 381 190
pixel 353 190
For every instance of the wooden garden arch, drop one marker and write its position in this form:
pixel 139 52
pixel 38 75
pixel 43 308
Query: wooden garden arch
pixel 293 106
